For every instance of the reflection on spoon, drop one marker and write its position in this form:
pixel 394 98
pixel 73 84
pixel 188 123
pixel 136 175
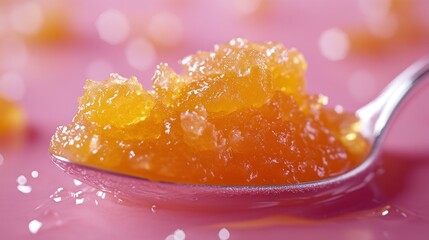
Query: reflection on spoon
pixel 374 118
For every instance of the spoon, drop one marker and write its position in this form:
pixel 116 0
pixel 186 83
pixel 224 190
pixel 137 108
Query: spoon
pixel 374 118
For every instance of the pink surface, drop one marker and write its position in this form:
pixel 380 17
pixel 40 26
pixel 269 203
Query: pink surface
pixel 393 206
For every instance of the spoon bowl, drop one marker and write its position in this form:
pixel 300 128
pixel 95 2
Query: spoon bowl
pixel 374 118
pixel 209 196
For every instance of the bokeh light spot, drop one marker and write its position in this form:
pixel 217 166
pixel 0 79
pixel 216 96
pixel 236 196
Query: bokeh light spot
pixel 246 7
pixel 98 69
pixel 13 53
pixel 26 18
pixel 179 234
pixel 12 86
pixel 166 29
pixel 334 44
pixel 140 54
pixel 362 85
pixel 113 26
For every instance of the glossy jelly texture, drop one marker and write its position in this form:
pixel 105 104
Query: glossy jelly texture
pixel 239 115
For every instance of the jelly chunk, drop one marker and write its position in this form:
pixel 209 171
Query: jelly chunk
pixel 118 102
pixel 229 79
pixel 168 85
pixel 238 115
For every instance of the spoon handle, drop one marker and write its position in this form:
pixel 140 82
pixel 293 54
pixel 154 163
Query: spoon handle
pixel 376 114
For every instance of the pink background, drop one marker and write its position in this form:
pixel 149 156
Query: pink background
pixel 52 72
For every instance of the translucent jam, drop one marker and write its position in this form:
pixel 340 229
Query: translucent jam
pixel 239 115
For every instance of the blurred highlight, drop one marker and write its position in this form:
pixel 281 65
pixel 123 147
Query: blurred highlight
pixel 388 23
pixel 12 119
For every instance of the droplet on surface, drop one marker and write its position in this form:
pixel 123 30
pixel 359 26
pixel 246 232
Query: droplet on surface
pixel 391 213
pixel 24 188
pixel 35 174
pixel 334 44
pixel 47 219
pixel 82 195
pixel 77 182
pixel 179 234
pixel 34 226
pixel 79 201
pixel 101 194
pixel 166 29
pixel 224 234
pixel 153 209
pixel 140 54
pixel 21 180
pixel 1 159
pixel 60 194
pixel 113 26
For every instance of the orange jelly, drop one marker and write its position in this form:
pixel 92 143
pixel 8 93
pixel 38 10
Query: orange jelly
pixel 11 118
pixel 239 115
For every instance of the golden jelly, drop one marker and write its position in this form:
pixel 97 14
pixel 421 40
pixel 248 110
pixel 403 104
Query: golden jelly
pixel 238 115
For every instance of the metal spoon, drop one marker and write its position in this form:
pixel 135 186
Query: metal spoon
pixel 374 117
